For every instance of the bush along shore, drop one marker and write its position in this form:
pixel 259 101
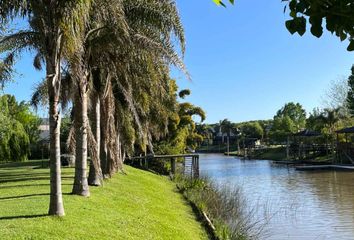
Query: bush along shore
pixel 224 209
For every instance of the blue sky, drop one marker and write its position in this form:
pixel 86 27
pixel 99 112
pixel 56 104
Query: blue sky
pixel 244 64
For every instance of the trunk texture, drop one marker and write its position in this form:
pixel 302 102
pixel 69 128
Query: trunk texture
pixel 94 178
pixel 53 78
pixel 81 186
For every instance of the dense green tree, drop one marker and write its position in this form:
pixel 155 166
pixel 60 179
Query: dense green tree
pixel 296 114
pixel 252 130
pixel 19 129
pixel 315 121
pixel 331 119
pixel 289 119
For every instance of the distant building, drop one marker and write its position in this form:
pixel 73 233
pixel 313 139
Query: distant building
pixel 221 138
pixel 44 129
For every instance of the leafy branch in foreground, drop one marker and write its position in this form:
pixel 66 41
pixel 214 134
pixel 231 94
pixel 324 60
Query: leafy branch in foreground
pixel 336 16
pixel 221 3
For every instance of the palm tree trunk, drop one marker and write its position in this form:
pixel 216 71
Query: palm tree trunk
pixel 53 78
pixel 94 179
pixel 80 186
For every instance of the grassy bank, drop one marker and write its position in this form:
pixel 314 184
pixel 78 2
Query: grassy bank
pixel 276 153
pixel 215 148
pixel 272 153
pixel 138 205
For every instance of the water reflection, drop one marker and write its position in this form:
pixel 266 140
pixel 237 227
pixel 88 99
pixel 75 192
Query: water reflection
pixel 298 205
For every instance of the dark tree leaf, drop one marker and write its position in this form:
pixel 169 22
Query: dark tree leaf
pixel 291 26
pixel 351 46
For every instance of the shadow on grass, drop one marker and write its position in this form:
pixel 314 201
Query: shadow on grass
pixel 29 195
pixel 24 196
pixel 31 185
pixel 20 175
pixel 29 163
pixel 32 174
pixel 32 179
pixel 23 216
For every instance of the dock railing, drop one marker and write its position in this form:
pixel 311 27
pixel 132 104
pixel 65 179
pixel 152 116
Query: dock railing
pixel 187 164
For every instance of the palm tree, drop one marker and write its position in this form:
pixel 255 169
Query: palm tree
pixel 150 49
pixel 53 26
pixel 145 55
pixel 106 18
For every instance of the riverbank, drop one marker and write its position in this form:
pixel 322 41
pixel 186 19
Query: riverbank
pixel 135 205
pixel 277 153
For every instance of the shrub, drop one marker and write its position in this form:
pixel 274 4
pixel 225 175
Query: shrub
pixel 225 206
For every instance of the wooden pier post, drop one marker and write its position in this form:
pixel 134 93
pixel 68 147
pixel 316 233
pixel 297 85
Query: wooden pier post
pixel 197 166
pixel 173 166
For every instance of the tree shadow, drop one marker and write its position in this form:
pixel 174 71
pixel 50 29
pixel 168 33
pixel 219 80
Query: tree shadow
pixel 23 216
pixel 31 185
pixel 41 174
pixel 28 195
pixel 29 163
pixel 32 179
pixel 24 196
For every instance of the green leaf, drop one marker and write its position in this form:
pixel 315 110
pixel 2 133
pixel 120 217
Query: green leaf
pixel 351 46
pixel 217 2
pixel 301 25
pixel 316 26
pixel 342 36
pixel 290 25
pixel 316 30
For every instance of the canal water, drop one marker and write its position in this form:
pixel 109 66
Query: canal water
pixel 289 204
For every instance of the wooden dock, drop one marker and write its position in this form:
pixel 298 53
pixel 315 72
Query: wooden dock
pixel 325 167
pixel 190 163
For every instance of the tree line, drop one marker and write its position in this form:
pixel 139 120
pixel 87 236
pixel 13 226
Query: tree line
pixel 292 118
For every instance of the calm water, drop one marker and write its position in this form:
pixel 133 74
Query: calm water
pixel 297 205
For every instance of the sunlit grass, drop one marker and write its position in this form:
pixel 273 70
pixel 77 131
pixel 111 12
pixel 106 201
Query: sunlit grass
pixel 138 205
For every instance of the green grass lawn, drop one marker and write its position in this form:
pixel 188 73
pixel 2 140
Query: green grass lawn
pixel 138 205
pixel 273 153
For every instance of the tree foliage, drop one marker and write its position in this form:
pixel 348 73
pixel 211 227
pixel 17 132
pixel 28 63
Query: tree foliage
pixel 18 129
pixel 182 134
pixel 252 130
pixel 337 16
pixel 289 119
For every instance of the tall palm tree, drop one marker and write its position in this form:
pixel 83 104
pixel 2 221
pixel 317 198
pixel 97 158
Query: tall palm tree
pixel 128 65
pixel 53 28
pixel 106 17
pixel 152 25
